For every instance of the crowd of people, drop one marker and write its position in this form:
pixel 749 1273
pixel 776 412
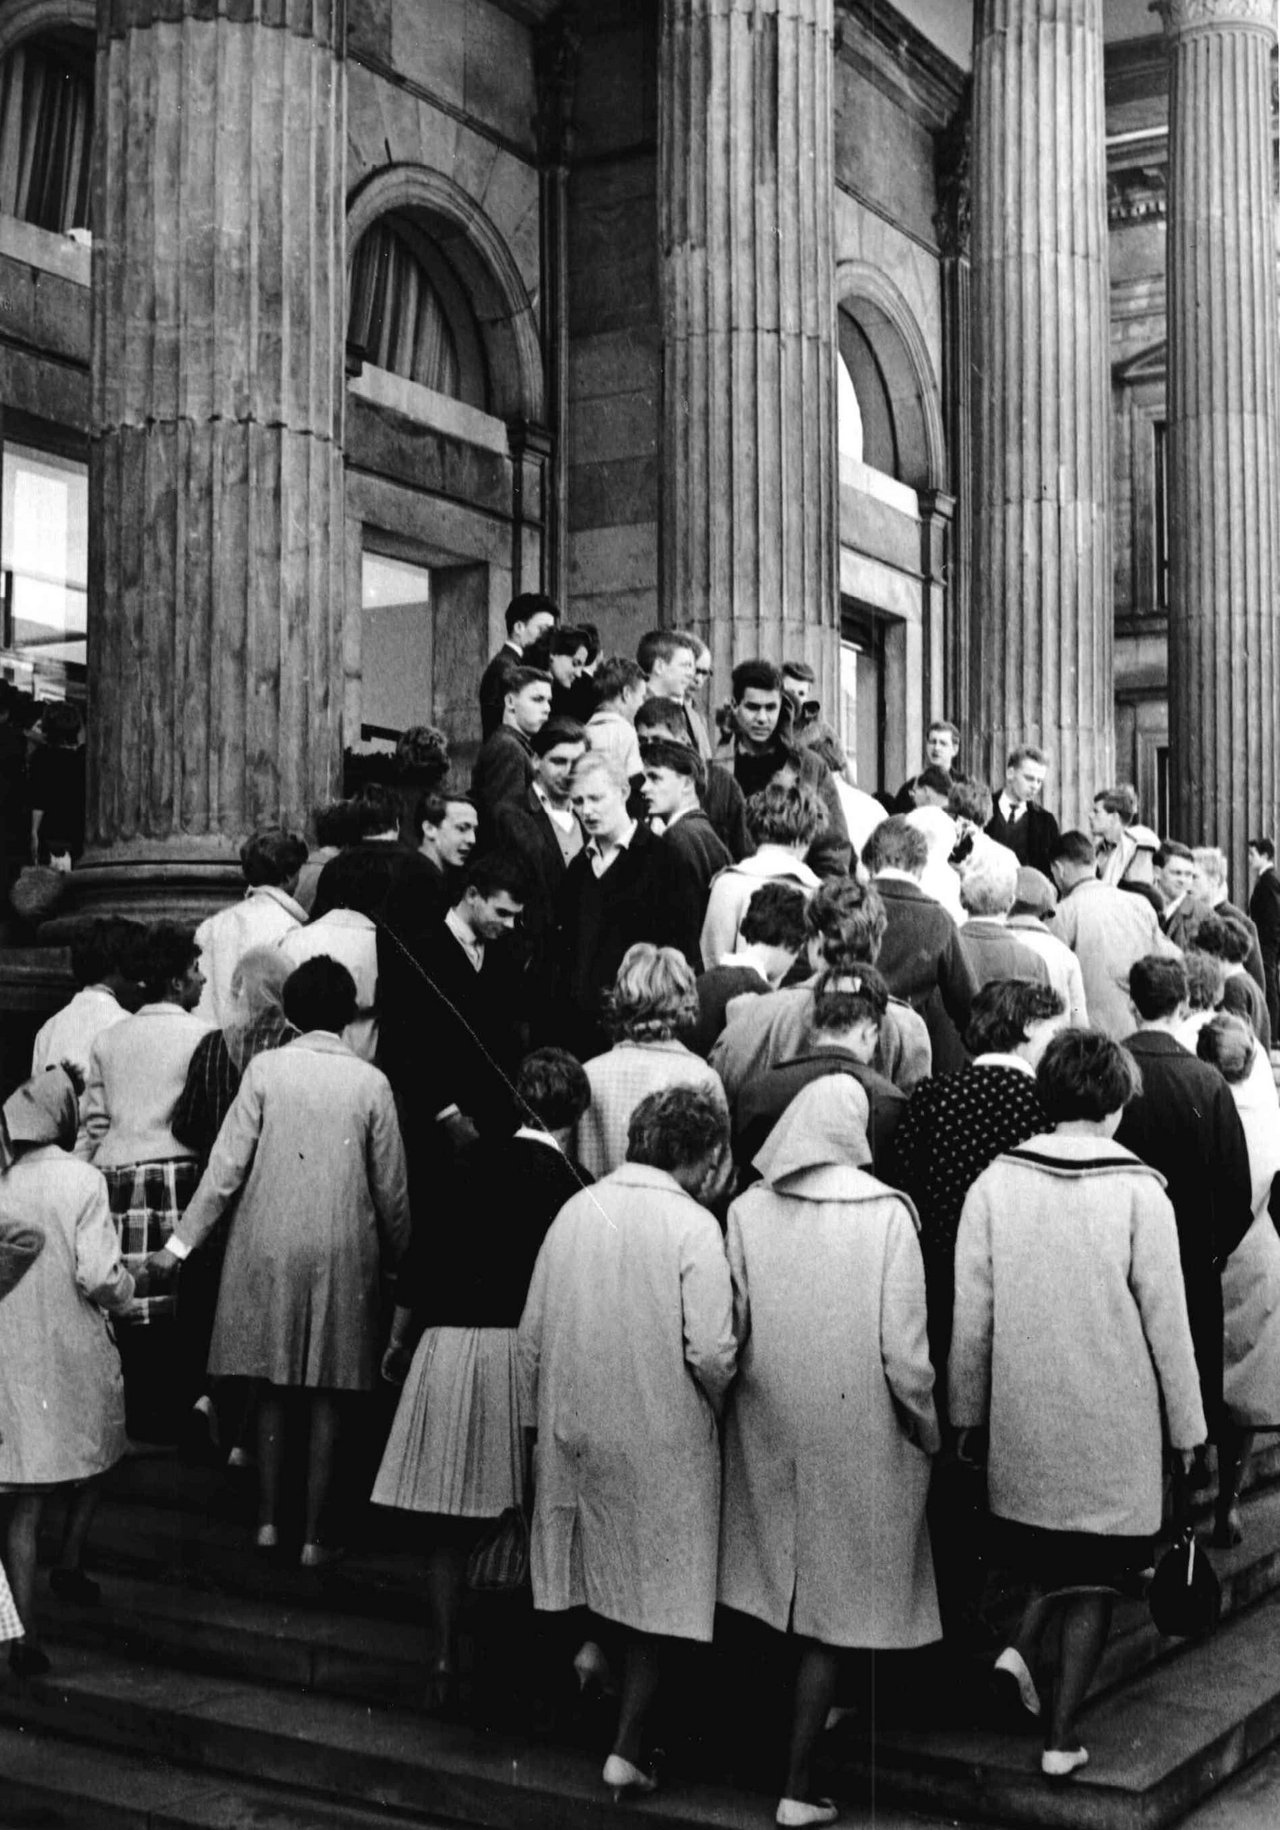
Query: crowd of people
pixel 731 1168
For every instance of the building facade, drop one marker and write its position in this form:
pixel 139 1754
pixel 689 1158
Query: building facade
pixel 833 329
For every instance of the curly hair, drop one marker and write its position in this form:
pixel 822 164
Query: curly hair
pixel 654 995
pixel 678 1128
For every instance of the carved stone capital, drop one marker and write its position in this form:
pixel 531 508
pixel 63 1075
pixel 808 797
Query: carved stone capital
pixel 1181 16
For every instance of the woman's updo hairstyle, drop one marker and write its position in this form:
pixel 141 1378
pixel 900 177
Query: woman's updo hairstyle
pixel 1227 1043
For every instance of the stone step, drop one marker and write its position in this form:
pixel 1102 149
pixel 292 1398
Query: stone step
pixel 1163 1743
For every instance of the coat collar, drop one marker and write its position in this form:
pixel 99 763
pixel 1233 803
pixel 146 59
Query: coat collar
pixel 322 1042
pixel 270 892
pixel 1076 1156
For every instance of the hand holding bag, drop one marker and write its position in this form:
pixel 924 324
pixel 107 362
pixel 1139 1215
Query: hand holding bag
pixel 1185 1596
pixel 499 1560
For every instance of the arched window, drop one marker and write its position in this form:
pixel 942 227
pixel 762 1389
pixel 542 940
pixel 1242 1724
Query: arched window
pixel 46 130
pixel 864 403
pixel 409 313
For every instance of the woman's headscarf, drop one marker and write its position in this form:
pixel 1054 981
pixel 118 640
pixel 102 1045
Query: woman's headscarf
pixel 259 1021
pixel 824 1127
pixel 938 879
pixel 46 1110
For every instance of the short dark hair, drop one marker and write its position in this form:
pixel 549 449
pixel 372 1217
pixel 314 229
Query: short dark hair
pixel 1122 800
pixel 845 996
pixel 662 645
pixel 1204 979
pixel 849 919
pixel 376 809
pixel 590 640
pixel 944 724
pixel 1264 847
pixel 798 670
pixel 271 856
pixel 1001 1011
pixel 1075 848
pixel 969 800
pixel 489 872
pixel 168 952
pixel 786 814
pixel 319 994
pixel 1225 938
pixel 665 753
pixel 936 780
pixel 433 808
pixel 566 639
pixel 1027 752
pixel 106 946
pixel 616 676
pixel 552 1089
pixel 60 721
pixel 1227 1042
pixel 1174 848
pixel 895 844
pixel 661 714
pixel 530 604
pixel 336 824
pixel 1157 986
pixel 775 917
pixel 556 731
pixel 356 879
pixel 519 678
pixel 677 1128
pixel 1084 1074
pixel 754 675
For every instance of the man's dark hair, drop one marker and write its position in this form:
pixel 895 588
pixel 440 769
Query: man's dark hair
pixel 775 917
pixel 271 856
pixel 319 994
pixel 337 825
pixel 895 844
pixel 945 724
pixel 849 918
pixel 677 1128
pixel 1027 752
pixel 376 809
pixel 1001 1012
pixel 556 731
pixel 665 753
pixel 936 780
pixel 105 947
pixel 491 872
pixel 567 639
pixel 357 879
pixel 552 1089
pixel 1264 847
pixel 167 953
pixel 433 808
pixel 529 604
pixel 1075 848
pixel 1224 938
pixel 842 998
pixel 755 675
pixel 1174 848
pixel 1157 987
pixel 1084 1074
pixel 662 645
pixel 616 676
pixel 969 800
pixel 520 677
pixel 786 815
pixel 661 715
pixel 1122 800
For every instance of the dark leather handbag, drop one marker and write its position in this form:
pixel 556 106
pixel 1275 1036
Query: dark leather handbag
pixel 499 1560
pixel 1185 1596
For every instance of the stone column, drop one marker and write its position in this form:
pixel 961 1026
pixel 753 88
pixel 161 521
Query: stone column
pixel 216 522
pixel 1224 495
pixel 746 202
pixel 1041 648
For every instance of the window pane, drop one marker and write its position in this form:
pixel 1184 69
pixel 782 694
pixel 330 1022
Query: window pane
pixel 395 645
pixel 45 551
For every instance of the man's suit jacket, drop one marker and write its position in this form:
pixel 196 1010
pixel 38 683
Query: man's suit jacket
pixel 1031 839
pixel 1185 1125
pixel 925 964
pixel 493 686
pixel 467 1031
pixel 501 776
pixel 830 853
pixel 1264 907
pixel 523 830
pixel 696 840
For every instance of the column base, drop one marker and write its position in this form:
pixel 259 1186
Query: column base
pixel 179 880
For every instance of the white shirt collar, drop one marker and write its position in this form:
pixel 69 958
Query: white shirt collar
pixel 563 817
pixel 996 1059
pixel 891 874
pixel 532 1135
pixel 474 949
pixel 680 815
pixel 1012 810
pixel 600 859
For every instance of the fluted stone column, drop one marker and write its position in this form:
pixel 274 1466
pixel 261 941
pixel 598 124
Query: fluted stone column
pixel 216 526
pixel 1041 649
pixel 749 443
pixel 1224 505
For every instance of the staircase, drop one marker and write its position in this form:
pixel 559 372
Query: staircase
pixel 215 1687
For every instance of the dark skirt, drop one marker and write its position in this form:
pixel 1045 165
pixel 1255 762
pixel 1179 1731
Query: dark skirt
pixel 1068 1559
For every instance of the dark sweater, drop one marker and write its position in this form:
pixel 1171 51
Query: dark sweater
pixel 764 1099
pixel 694 839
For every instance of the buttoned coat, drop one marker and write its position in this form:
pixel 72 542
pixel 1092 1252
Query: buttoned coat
pixel 760 1031
pixel 831 1421
pixel 1109 931
pixel 625 1351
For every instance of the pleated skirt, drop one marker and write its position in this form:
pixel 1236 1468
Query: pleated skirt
pixel 455 1443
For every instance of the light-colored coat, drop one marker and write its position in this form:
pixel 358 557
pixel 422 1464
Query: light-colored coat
pixel 760 1031
pixel 619 1080
pixel 61 1393
pixel 733 888
pixel 261 918
pixel 1109 931
pixel 313 1140
pixel 350 938
pixel 625 1351
pixel 1065 976
pixel 1070 1327
pixel 137 1070
pixel 831 1422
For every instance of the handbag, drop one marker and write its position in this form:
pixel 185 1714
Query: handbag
pixel 1185 1596
pixel 499 1560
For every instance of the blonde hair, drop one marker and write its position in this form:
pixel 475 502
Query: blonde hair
pixel 654 994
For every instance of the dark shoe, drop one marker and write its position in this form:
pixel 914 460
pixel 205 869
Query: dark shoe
pixel 73 1585
pixel 1228 1532
pixel 27 1660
